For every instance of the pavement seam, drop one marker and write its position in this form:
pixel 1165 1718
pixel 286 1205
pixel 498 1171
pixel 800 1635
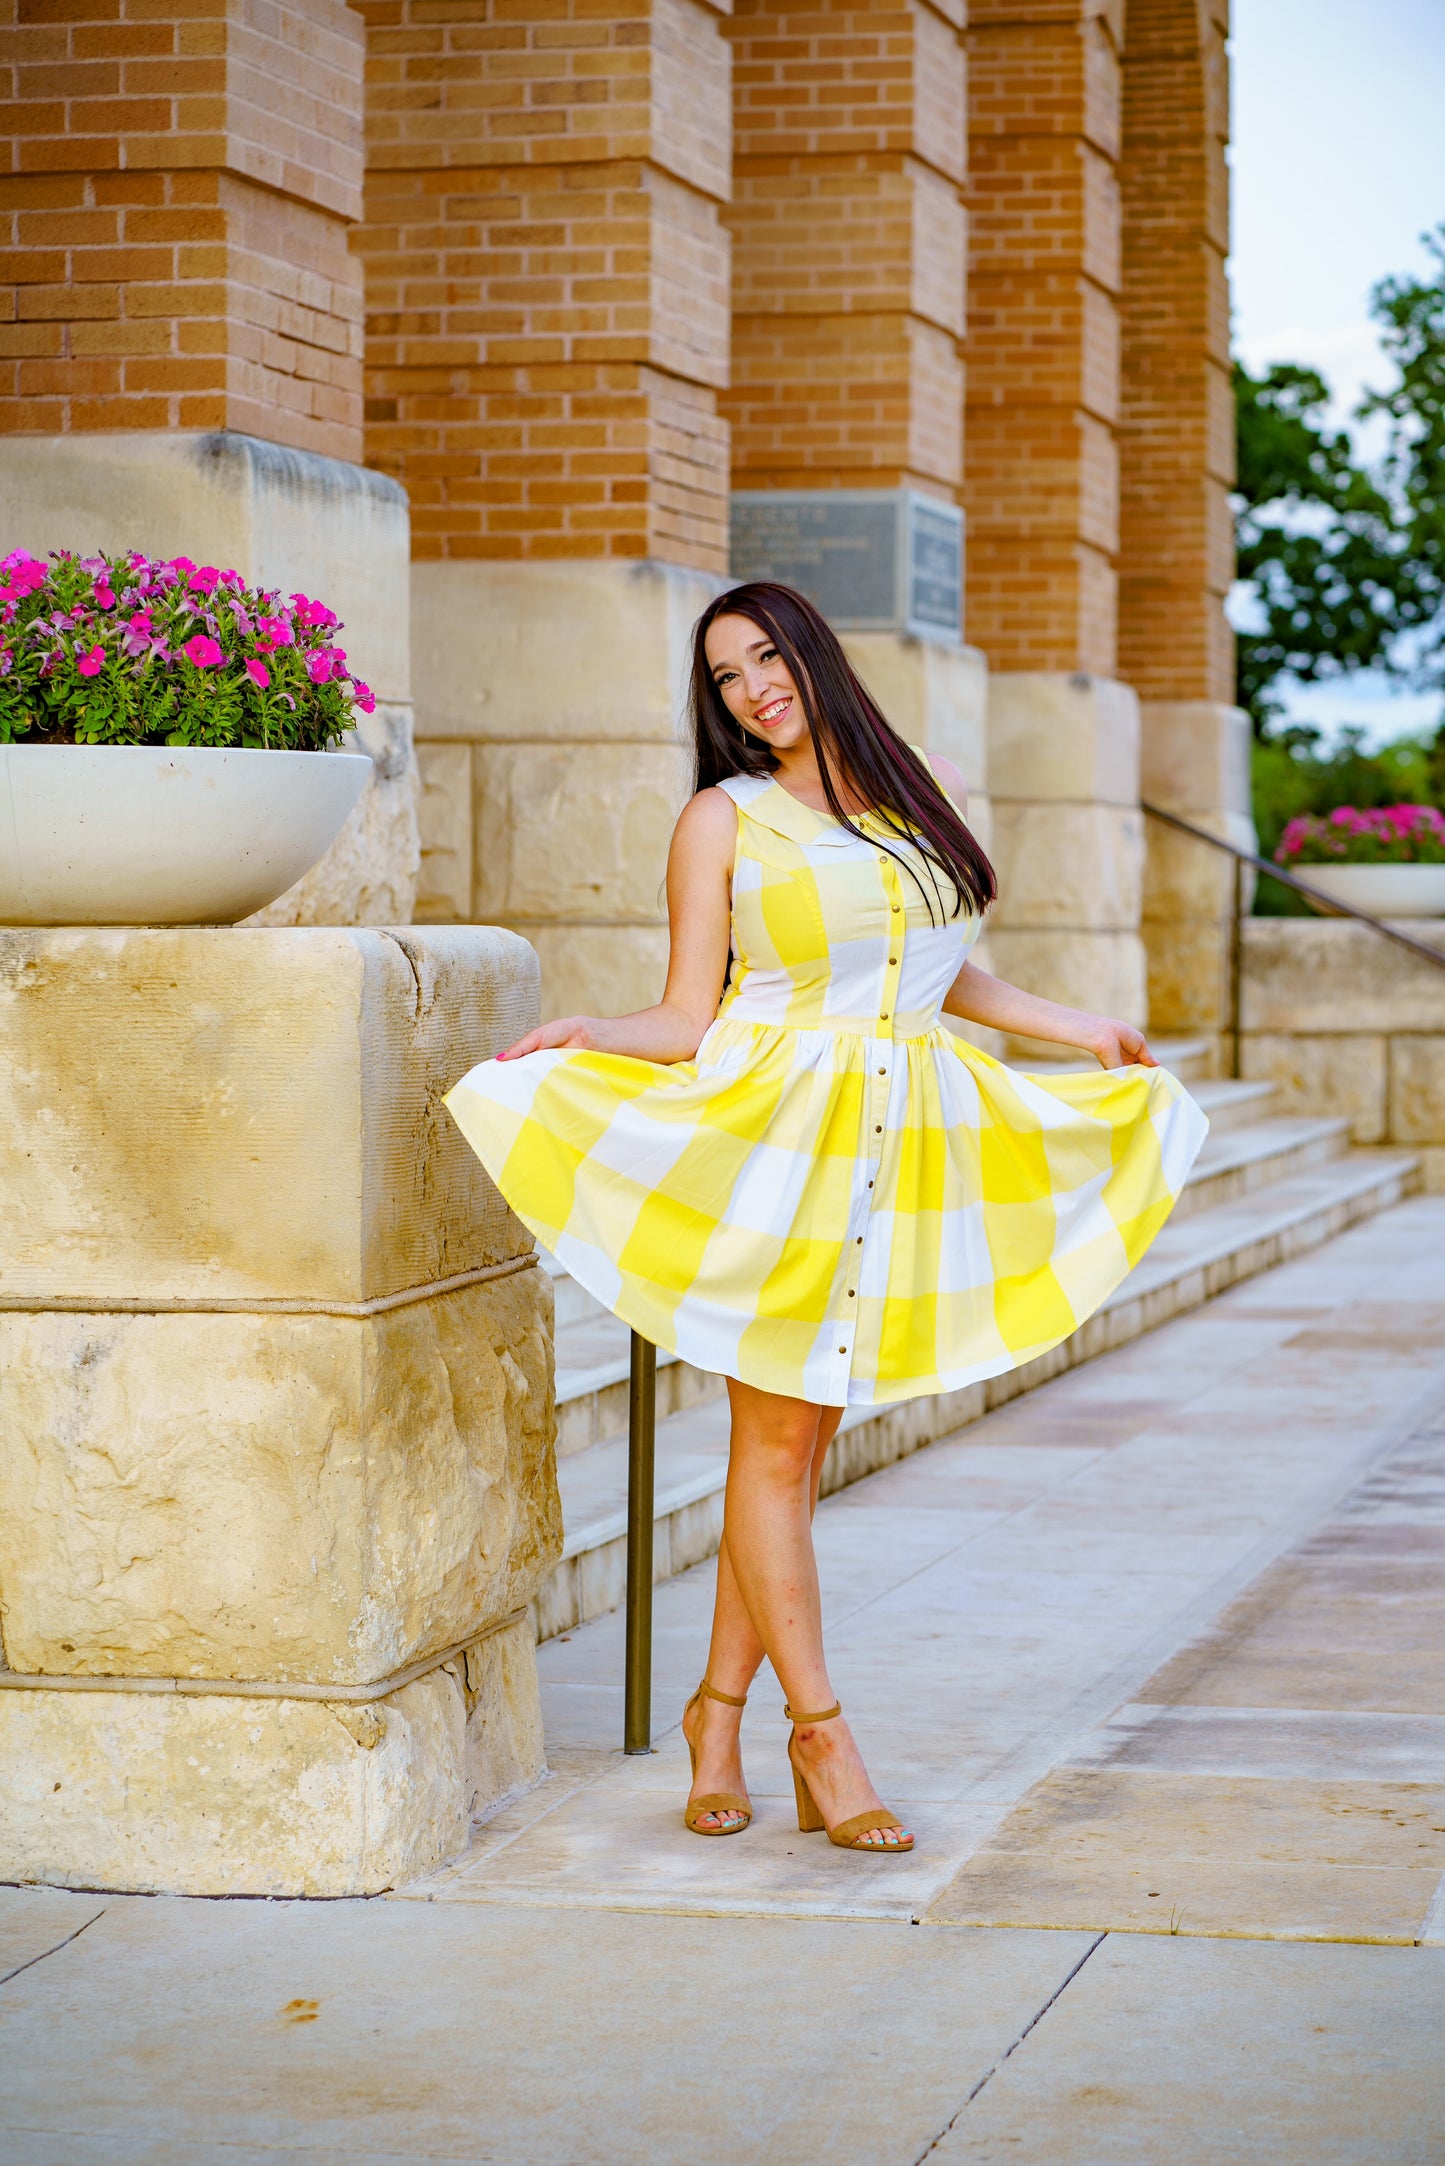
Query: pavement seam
pixel 34 1959
pixel 1035 2019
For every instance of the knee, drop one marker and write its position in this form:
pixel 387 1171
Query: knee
pixel 785 1444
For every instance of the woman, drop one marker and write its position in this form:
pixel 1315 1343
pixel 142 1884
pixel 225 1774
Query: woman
pixel 790 1173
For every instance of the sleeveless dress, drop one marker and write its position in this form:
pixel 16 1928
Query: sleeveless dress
pixel 836 1199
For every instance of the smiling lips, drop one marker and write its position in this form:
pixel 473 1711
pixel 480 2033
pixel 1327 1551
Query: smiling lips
pixel 767 716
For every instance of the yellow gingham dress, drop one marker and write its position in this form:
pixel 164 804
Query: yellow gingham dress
pixel 837 1199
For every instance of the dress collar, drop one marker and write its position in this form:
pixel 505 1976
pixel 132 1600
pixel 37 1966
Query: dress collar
pixel 766 801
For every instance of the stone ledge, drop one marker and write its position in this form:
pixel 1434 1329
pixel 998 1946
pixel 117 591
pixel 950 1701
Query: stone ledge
pixel 203 1114
pixel 295 1498
pixel 157 1794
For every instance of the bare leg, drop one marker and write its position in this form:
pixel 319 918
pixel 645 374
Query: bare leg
pixel 734 1658
pixel 771 1492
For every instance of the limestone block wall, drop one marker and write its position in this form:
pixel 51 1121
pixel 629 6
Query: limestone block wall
pixel 278 1476
pixel 1347 1023
pixel 1195 761
pixel 1068 841
pixel 288 519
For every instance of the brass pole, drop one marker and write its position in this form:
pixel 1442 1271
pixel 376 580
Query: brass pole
pixel 641 1448
pixel 1236 970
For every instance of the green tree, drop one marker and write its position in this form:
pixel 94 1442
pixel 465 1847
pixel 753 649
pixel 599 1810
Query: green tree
pixel 1348 565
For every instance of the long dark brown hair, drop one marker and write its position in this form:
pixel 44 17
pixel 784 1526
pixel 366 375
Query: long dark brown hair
pixel 853 742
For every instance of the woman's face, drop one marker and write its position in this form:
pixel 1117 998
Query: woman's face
pixel 755 682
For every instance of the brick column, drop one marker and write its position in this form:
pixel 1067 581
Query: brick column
pixel 849 240
pixel 1177 462
pixel 547 332
pixel 179 190
pixel 181 363
pixel 1042 494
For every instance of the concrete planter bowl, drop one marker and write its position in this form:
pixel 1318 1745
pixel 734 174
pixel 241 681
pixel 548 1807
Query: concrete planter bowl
pixel 163 834
pixel 1386 891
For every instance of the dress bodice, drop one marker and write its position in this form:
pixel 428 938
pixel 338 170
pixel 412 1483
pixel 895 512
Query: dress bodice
pixel 830 932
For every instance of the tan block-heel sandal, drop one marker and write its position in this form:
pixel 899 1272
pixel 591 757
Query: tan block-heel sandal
pixel 847 1832
pixel 723 1802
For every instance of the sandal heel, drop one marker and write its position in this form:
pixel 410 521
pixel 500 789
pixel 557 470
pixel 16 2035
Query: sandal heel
pixel 849 1834
pixel 810 1820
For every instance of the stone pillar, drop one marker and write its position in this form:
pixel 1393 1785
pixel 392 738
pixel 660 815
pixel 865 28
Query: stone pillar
pixel 1177 462
pixel 278 1482
pixel 1068 843
pixel 1042 496
pixel 848 292
pixel 182 372
pixel 547 305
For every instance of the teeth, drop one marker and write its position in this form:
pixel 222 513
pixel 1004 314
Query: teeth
pixel 766 714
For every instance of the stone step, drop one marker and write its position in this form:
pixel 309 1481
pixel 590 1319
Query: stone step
pixel 1195 1257
pixel 1231 1102
pixel 1242 1160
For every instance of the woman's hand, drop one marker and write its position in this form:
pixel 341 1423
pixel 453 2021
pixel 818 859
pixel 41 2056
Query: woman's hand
pixel 1117 1045
pixel 574 1033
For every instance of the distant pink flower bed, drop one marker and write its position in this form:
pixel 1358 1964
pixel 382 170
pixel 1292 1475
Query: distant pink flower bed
pixel 139 650
pixel 1385 835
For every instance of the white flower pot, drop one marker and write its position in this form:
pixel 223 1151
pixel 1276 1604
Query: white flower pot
pixel 162 834
pixel 1386 891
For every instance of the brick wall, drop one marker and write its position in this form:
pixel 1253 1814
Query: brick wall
pixel 176 193
pixel 848 244
pixel 547 276
pixel 1177 419
pixel 1043 334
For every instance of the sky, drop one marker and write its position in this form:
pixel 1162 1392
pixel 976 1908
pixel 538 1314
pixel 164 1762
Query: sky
pixel 1338 158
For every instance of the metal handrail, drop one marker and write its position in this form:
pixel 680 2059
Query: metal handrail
pixel 641 1459
pixel 1301 887
pixel 1315 895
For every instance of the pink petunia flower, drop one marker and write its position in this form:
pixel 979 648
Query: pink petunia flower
pixel 92 663
pixel 259 674
pixel 314 615
pixel 105 597
pixel 203 652
pixel 274 632
pixel 363 695
pixel 205 581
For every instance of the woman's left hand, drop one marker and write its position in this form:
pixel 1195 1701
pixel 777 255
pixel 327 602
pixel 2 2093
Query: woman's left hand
pixel 1119 1045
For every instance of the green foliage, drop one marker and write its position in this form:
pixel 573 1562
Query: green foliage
pixel 1348 565
pixel 126 650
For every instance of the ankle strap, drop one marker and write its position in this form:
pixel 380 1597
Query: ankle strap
pixel 710 1692
pixel 826 1716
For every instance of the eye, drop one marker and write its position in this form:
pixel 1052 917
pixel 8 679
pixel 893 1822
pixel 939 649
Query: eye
pixel 769 654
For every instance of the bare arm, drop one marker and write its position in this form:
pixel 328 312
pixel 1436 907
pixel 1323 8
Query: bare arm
pixel 978 998
pixel 699 875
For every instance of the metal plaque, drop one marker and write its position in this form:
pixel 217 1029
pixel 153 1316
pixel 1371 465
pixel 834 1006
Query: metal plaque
pixel 873 560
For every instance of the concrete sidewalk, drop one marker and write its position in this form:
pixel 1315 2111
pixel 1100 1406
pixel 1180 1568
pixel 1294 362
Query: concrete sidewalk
pixel 1154 1663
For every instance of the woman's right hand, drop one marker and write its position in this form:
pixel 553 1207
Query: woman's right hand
pixel 571 1033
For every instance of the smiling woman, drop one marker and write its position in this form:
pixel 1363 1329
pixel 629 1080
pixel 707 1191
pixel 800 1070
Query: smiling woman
pixel 790 1172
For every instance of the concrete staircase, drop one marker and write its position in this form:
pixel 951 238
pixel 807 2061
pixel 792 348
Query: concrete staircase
pixel 1265 1187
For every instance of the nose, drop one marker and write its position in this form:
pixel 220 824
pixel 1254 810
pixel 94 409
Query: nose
pixel 758 682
